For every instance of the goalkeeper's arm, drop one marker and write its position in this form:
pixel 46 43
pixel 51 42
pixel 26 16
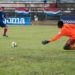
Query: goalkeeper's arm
pixel 53 39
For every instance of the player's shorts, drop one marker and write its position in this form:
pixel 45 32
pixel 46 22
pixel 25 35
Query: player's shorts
pixel 2 24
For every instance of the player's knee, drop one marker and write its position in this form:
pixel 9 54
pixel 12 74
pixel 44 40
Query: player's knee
pixel 66 47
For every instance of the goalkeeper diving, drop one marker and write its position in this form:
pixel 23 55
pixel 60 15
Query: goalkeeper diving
pixel 67 30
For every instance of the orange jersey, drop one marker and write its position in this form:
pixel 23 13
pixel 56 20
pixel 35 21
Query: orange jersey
pixel 67 30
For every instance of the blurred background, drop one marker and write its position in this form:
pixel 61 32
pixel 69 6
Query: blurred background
pixel 40 12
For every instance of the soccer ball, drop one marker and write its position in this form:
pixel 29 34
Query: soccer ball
pixel 13 44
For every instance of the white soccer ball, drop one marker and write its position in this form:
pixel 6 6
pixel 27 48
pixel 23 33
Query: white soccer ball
pixel 13 44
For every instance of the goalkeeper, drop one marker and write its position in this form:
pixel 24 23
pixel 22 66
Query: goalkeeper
pixel 65 30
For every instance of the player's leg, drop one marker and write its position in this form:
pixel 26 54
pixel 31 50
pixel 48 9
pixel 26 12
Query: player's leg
pixel 5 31
pixel 4 26
pixel 70 45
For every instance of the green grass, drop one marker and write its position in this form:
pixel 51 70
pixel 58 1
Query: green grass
pixel 30 57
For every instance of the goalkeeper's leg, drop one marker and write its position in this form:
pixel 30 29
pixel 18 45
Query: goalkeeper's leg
pixel 70 45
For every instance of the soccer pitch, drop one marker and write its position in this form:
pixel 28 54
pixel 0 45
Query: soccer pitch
pixel 30 57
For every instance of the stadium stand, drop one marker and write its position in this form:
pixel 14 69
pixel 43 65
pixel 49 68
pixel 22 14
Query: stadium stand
pixel 66 1
pixel 32 1
pixel 38 7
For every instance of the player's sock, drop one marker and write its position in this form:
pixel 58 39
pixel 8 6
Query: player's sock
pixel 5 31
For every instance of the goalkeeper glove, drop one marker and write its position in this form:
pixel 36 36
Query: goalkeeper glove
pixel 45 42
